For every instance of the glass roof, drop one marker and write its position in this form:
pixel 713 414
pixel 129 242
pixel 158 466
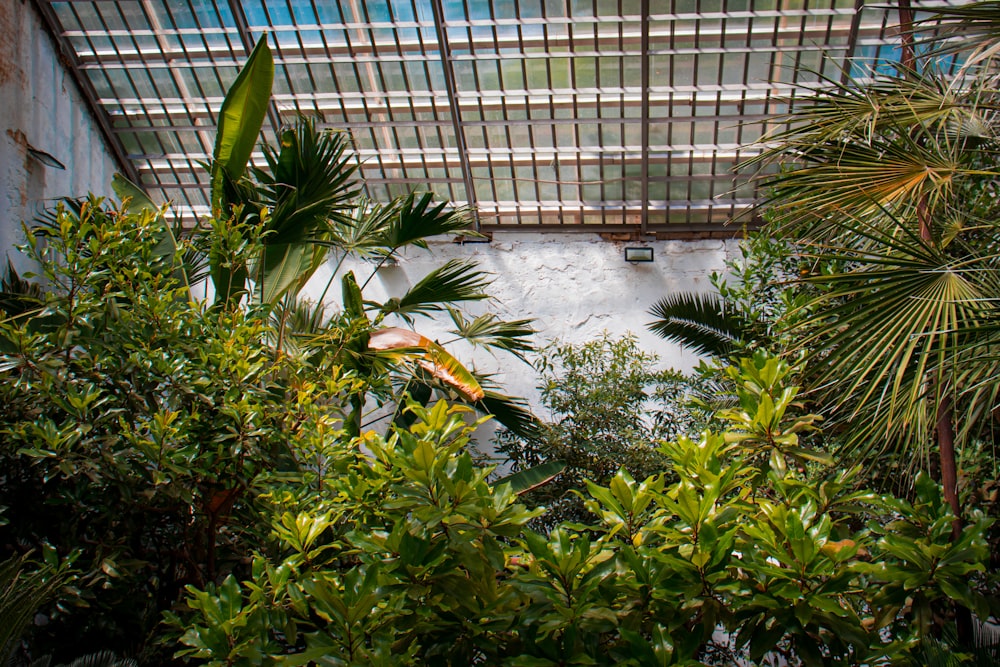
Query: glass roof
pixel 604 115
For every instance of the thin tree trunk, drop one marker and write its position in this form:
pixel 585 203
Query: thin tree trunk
pixel 949 480
pixel 908 56
pixel 949 464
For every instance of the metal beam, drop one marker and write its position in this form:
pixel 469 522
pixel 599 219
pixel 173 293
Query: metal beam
pixel 852 40
pixel 456 114
pixel 644 114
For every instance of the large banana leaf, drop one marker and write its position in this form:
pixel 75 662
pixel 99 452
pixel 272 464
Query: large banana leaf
pixel 429 356
pixel 240 119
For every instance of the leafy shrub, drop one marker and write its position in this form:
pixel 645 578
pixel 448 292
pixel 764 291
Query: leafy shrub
pixel 408 556
pixel 143 430
pixel 608 406
pixel 137 424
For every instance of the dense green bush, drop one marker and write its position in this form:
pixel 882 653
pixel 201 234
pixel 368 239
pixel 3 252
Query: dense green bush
pixel 137 424
pixel 408 556
pixel 141 428
pixel 607 406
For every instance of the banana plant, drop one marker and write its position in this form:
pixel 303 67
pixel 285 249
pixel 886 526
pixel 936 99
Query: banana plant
pixel 300 206
pixel 240 120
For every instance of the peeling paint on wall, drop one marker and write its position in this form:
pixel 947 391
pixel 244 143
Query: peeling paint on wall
pixel 40 109
pixel 575 286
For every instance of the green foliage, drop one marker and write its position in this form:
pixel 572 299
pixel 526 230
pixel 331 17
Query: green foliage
pixel 24 589
pixel 602 396
pixel 156 429
pixel 396 558
pixel 762 422
pixel 136 423
pixel 408 555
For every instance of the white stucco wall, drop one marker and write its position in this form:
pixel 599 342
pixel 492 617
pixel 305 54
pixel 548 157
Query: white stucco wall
pixel 41 106
pixel 575 286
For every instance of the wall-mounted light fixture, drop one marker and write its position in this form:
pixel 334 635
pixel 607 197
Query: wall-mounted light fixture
pixel 638 255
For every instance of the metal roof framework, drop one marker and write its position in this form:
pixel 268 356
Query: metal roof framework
pixel 595 115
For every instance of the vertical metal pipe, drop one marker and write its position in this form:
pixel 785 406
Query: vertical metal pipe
pixel 644 75
pixel 456 118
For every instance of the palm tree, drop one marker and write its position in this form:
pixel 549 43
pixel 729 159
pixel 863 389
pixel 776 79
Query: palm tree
pixel 302 205
pixel 894 182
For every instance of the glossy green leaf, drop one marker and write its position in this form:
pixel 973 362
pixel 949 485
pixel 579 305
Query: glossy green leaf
pixel 240 119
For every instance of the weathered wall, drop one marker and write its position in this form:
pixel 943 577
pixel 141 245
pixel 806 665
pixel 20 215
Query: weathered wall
pixel 575 286
pixel 41 107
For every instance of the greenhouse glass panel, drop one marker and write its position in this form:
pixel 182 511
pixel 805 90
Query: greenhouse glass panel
pixel 620 114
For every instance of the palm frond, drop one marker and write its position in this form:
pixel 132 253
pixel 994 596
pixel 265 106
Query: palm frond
pixel 888 337
pixel 454 281
pixel 17 295
pixel 22 593
pixel 490 331
pixel 101 659
pixel 361 230
pixel 412 219
pixel 859 149
pixel 309 180
pixel 699 322
pixel 973 29
pixel 513 413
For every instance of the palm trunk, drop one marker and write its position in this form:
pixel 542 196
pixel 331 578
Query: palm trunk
pixel 949 465
pixel 907 56
pixel 949 481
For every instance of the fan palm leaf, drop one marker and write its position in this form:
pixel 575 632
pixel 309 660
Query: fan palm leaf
pixel 892 335
pixel 490 331
pixel 699 322
pixel 512 413
pixel 22 593
pixel 361 230
pixel 452 282
pixel 898 145
pixel 972 29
